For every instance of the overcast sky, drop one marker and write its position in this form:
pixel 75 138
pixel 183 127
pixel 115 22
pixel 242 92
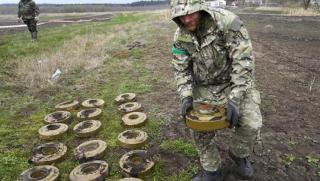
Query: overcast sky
pixel 72 1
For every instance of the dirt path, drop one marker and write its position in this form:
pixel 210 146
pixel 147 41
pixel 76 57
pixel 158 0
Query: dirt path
pixel 288 77
pixel 10 27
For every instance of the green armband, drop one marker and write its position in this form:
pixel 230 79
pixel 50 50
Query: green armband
pixel 178 52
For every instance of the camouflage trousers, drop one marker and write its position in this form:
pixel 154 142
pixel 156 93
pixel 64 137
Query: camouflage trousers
pixel 32 24
pixel 245 134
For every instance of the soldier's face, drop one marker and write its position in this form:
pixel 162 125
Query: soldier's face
pixel 190 21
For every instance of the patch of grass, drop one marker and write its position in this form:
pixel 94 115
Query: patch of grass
pixel 313 161
pixel 50 16
pixel 12 162
pixel 115 75
pixel 137 53
pixel 179 146
pixel 154 127
pixel 157 170
pixel 13 48
pixel 289 159
pixel 158 173
pixel 23 129
pixel 66 166
pixel 135 87
pixel 300 12
pixel 185 174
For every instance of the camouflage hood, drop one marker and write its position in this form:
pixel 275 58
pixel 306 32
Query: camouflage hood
pixel 185 7
pixel 27 9
pixel 223 19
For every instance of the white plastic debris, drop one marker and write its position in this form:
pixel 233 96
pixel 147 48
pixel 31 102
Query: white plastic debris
pixel 56 75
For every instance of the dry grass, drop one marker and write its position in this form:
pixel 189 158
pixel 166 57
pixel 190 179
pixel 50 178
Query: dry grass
pixel 291 11
pixel 166 14
pixel 300 12
pixel 83 52
pixel 262 8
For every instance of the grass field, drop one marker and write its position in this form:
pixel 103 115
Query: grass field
pixel 95 62
pixel 131 53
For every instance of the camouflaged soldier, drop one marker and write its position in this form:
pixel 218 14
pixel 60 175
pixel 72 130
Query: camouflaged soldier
pixel 29 12
pixel 213 63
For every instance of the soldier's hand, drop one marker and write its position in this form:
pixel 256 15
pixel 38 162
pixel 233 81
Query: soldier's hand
pixel 187 104
pixel 233 113
pixel 19 20
pixel 36 18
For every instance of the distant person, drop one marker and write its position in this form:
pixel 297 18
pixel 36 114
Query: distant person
pixel 29 12
pixel 213 63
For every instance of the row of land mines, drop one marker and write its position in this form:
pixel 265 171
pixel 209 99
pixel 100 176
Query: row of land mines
pixel 130 52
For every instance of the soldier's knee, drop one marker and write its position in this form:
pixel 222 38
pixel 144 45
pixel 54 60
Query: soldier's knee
pixel 253 122
pixel 256 124
pixel 33 29
pixel 250 111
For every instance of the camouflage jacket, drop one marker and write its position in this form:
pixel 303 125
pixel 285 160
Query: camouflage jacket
pixel 27 9
pixel 219 52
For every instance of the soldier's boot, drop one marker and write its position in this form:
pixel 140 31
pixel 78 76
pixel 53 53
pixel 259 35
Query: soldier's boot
pixel 34 36
pixel 207 176
pixel 243 166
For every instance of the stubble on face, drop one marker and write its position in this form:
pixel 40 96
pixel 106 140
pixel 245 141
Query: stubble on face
pixel 191 21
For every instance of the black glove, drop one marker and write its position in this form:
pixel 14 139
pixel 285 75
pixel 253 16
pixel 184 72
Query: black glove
pixel 187 104
pixel 233 113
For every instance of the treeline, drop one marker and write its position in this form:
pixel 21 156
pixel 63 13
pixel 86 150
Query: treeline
pixel 70 8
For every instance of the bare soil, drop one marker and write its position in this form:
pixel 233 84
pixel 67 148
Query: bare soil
pixel 288 77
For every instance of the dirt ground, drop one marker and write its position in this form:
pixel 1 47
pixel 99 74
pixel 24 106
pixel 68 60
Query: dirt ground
pixel 287 72
pixel 288 76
